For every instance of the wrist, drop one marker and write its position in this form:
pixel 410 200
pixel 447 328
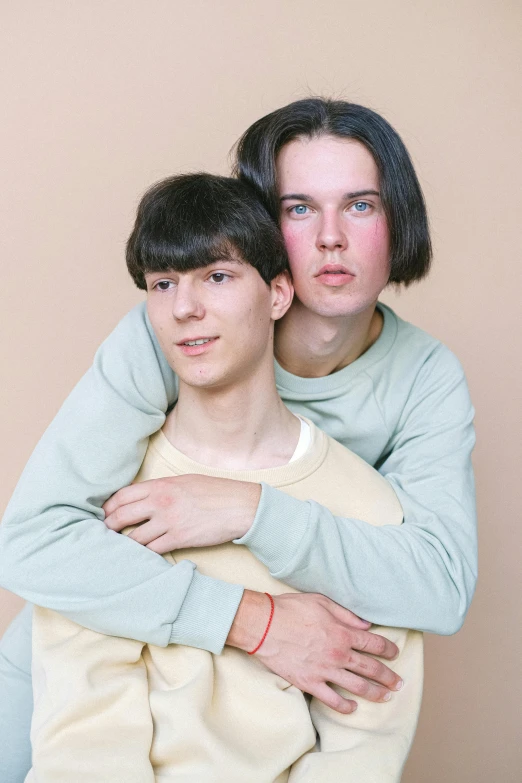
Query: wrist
pixel 250 621
pixel 269 623
pixel 247 508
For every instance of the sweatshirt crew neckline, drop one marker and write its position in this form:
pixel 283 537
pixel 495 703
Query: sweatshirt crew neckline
pixel 330 384
pixel 278 476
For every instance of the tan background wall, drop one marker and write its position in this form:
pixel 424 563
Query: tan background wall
pixel 100 98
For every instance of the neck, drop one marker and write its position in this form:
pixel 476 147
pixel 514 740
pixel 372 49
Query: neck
pixel 243 426
pixel 312 346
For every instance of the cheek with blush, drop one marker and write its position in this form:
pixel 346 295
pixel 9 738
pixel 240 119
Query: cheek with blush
pixel 291 236
pixel 298 245
pixel 373 244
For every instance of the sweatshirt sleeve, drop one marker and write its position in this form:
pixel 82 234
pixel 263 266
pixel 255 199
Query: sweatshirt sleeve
pixel 420 574
pixel 55 550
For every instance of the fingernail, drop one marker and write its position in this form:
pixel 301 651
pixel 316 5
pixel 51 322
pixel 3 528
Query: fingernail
pixel 387 697
pixel 399 685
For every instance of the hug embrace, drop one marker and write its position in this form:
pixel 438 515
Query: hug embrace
pixel 245 514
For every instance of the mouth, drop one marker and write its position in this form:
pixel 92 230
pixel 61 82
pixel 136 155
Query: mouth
pixel 334 275
pixel 195 346
pixel 197 341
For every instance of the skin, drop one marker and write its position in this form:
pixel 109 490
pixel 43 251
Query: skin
pixel 337 238
pixel 230 379
pixel 327 227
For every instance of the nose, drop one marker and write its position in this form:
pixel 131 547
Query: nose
pixel 187 303
pixel 332 232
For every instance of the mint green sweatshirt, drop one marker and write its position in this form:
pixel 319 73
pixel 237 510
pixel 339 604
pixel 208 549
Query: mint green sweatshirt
pixel 403 406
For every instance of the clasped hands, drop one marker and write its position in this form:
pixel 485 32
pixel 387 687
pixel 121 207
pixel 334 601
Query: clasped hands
pixel 313 643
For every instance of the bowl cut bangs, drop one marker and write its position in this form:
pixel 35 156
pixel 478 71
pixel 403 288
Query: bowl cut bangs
pixel 189 221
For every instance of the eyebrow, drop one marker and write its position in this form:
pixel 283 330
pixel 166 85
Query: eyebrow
pixel 346 197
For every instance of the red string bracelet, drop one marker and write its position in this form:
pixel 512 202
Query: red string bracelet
pixel 272 607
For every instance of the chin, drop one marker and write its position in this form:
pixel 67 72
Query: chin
pixel 201 382
pixel 340 309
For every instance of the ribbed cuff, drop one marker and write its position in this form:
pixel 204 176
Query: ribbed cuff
pixel 280 523
pixel 207 613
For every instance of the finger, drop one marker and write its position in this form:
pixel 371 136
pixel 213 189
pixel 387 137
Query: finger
pixel 347 617
pixel 130 494
pixel 359 686
pixel 162 545
pixel 149 531
pixel 130 514
pixel 372 669
pixel 332 699
pixel 374 644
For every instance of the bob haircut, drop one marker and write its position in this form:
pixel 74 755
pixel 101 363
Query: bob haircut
pixel 191 220
pixel 401 195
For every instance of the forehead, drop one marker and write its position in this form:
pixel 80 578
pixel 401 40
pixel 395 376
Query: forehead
pixel 324 165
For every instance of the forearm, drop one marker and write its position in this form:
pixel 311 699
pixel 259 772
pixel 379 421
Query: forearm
pixel 54 549
pixel 404 576
pixel 420 574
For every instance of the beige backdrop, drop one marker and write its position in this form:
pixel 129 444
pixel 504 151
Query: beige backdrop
pixel 102 97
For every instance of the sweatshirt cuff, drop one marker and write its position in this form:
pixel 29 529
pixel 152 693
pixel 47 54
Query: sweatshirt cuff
pixel 206 614
pixel 278 529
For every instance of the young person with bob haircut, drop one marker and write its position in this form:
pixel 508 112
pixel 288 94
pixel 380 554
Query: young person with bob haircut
pixel 214 267
pixel 339 181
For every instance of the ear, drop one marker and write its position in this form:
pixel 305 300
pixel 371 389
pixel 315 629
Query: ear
pixel 282 291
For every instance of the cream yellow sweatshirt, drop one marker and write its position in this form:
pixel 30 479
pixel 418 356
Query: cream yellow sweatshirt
pixel 109 709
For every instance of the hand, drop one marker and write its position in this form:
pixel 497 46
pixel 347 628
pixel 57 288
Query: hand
pixel 184 511
pixel 313 641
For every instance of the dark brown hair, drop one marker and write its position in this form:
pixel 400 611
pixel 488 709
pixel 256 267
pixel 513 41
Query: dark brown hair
pixel 403 202
pixel 191 220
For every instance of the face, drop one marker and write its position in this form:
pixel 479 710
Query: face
pixel 215 324
pixel 334 224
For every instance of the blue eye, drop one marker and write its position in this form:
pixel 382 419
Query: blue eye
pixel 299 209
pixel 361 206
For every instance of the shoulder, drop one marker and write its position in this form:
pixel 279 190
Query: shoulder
pixel 338 461
pixel 418 379
pixel 359 489
pixel 414 354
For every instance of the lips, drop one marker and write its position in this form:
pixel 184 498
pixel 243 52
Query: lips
pixel 194 346
pixel 196 341
pixel 334 269
pixel 334 275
